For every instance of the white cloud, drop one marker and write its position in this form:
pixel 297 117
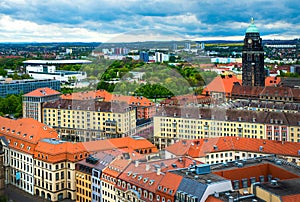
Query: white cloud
pixel 12 30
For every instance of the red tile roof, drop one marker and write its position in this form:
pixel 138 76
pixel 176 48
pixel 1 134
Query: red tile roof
pixel 57 151
pixel 42 92
pixel 181 100
pixel 221 84
pixel 199 148
pixel 116 167
pixel 272 81
pixel 170 181
pixel 291 198
pixel 25 132
pixel 87 95
pixel 212 199
pixel 256 171
pixel 148 171
pixel 108 97
pixel 126 142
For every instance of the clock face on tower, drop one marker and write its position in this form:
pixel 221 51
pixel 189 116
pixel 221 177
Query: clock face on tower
pixel 249 41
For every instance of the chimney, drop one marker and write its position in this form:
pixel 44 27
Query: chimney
pixel 147 167
pixel 158 171
pixel 136 163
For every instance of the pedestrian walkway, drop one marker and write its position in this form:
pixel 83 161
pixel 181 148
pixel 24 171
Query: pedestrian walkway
pixel 17 195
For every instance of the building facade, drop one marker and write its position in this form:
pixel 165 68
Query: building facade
pixel 33 101
pixel 22 136
pixel 26 86
pixel 175 123
pixel 89 120
pixel 253 58
pixel 54 168
pixel 225 149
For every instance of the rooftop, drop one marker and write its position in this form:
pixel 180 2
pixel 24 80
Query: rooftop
pixel 42 92
pixel 222 84
pixel 108 97
pixel 202 147
pixel 89 105
pixel 283 187
pixel 252 27
pixel 126 142
pixel 230 115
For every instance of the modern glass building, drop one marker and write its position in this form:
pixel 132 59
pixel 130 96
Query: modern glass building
pixel 26 86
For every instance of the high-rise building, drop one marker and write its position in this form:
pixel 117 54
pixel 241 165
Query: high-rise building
pixel 144 56
pixel 253 58
pixel 32 102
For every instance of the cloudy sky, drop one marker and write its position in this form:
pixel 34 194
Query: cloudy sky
pixel 144 20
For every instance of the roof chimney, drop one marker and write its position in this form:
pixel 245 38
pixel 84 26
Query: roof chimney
pixel 147 167
pixel 136 163
pixel 158 171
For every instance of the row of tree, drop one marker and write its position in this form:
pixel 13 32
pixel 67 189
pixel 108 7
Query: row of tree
pixel 11 105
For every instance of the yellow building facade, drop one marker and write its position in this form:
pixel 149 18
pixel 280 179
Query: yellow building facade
pixel 82 121
pixel 176 123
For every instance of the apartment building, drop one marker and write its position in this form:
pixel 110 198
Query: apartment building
pixel 225 149
pixel 270 93
pixel 33 101
pixel 22 136
pixel 89 119
pixel 145 109
pixel 139 181
pixel 109 178
pixel 54 168
pixel 88 174
pixel 176 123
pixel 262 179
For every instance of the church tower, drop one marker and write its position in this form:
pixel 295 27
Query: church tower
pixel 253 58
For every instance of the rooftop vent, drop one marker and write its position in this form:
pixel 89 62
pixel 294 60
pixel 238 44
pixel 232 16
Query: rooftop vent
pixel 215 147
pixel 261 148
pixel 274 182
pixel 202 169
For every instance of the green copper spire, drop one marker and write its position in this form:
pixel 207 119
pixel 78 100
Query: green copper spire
pixel 252 28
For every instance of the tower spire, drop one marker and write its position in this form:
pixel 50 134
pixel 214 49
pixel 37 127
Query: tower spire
pixel 252 20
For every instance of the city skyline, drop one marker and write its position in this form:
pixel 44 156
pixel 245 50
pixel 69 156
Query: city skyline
pixel 114 21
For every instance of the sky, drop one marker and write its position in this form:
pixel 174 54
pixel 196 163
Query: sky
pixel 145 20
